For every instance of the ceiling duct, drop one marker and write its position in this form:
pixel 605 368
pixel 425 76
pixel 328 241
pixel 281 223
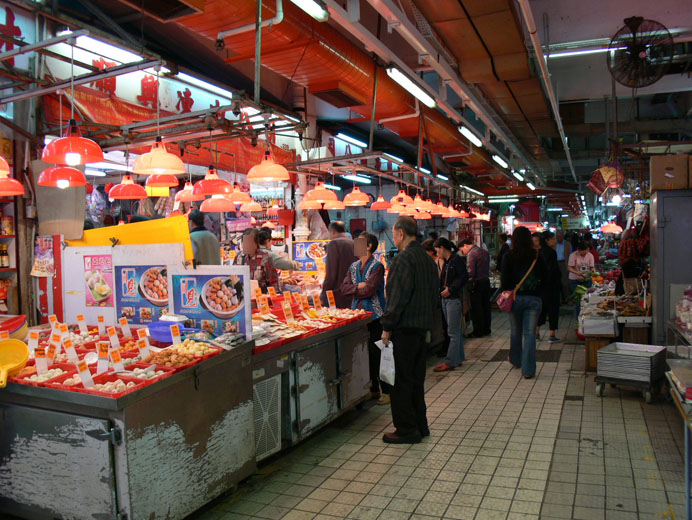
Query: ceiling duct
pixel 167 10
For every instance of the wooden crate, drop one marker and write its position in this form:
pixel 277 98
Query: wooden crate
pixel 592 346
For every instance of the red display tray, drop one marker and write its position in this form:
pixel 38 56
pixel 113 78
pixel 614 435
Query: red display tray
pixel 168 372
pixel 270 346
pixel 106 378
pixel 69 368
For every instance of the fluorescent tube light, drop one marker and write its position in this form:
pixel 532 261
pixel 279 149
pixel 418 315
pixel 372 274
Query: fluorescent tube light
pixel 357 178
pixel 425 170
pixel 499 201
pixel 107 50
pixel 351 140
pixel 94 173
pixel 554 209
pixel 204 85
pixel 530 186
pixel 565 215
pixel 108 166
pixel 332 187
pixel 393 157
pixel 522 171
pixel 471 136
pixel 440 176
pixel 410 86
pixel 499 160
pixel 314 8
pixel 518 177
pixel 581 52
pixel 472 190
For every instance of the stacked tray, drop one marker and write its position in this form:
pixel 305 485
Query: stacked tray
pixel 630 361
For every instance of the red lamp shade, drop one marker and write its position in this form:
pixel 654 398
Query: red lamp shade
pixel 309 204
pixel 127 190
pixel 239 197
pixel 251 207
pixel 380 204
pixel 162 181
pixel 408 212
pixel 334 204
pixel 418 203
pixel 267 171
pixel 402 198
pixel 72 149
pixel 61 177
pixel 269 225
pixel 463 214
pixel 356 198
pixel 212 185
pixel 273 211
pixel 217 204
pixel 429 205
pixel 396 208
pixel 320 193
pixel 158 161
pixel 4 166
pixel 611 227
pixel 186 194
pixel 422 215
pixel 9 187
pixel 439 209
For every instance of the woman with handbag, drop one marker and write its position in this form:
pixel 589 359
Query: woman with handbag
pixel 522 272
pixel 452 280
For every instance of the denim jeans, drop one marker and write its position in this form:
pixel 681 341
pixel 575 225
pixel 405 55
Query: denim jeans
pixel 523 319
pixel 452 311
pixel 573 284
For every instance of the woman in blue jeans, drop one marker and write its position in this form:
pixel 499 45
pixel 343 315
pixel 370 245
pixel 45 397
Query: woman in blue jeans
pixel 522 262
pixel 452 280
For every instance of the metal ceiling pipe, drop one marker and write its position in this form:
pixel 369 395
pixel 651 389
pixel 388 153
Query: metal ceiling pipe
pixel 277 19
pixel 545 76
pixel 415 113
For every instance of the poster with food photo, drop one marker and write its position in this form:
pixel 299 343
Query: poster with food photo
pixel 311 255
pixel 217 297
pixel 98 278
pixel 140 291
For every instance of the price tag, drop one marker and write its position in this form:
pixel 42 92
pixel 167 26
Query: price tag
pixel 64 330
pixel 125 326
pixel 285 274
pixel 258 293
pixel 318 303
pixel 53 320
pixel 175 334
pixel 50 352
pixel 102 325
pixel 41 361
pixel 33 340
pixel 102 365
pixel 85 374
pixel 4 334
pixel 143 346
pixel 330 298
pixel 304 303
pixel 296 297
pixel 142 336
pixel 82 324
pixel 272 292
pixel 264 305
pixel 288 313
pixel 113 336
pixel 287 296
pixel 117 360
pixel 70 351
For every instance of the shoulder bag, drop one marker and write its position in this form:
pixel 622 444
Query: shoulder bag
pixel 506 299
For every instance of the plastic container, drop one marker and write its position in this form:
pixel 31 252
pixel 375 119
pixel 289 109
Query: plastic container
pixel 68 368
pixel 168 372
pixel 161 331
pixel 106 378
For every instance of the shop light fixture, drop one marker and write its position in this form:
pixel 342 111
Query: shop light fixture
pixel 471 136
pixel 499 160
pixel 212 184
pixel 273 211
pixel 402 198
pixel 565 215
pixel 162 181
pixel 380 204
pixel 497 201
pixel 396 208
pixel 443 177
pixel 309 204
pixel 332 187
pixel 320 194
pixel 554 209
pixel 356 198
pixel 94 173
pixel 410 86
pixel 393 157
pixel 472 190
pixel 518 176
pixel 357 178
pixel 616 200
pixel 422 215
pixel 334 204
pixel 351 140
pixel 239 197
pixel 204 85
pixel 127 190
pixel 251 207
pixel 9 187
pixel 217 204
pixel 158 161
pixel 531 186
pixel 581 52
pixel 72 149
pixel 187 194
pixel 314 8
pixel 424 170
pixel 61 177
pixel 268 171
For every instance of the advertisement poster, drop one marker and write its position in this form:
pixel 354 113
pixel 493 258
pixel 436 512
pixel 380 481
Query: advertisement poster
pixel 216 299
pixel 98 277
pixel 44 262
pixel 311 255
pixel 141 292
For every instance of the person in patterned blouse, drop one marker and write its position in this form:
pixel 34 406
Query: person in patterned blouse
pixel 261 266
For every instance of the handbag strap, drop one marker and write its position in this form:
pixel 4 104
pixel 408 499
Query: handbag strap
pixel 525 276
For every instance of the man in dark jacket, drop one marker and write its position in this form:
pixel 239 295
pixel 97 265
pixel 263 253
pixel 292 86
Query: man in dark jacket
pixel 478 265
pixel 339 258
pixel 206 248
pixel 412 293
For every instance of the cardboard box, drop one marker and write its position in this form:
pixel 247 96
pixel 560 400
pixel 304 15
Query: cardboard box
pixel 669 172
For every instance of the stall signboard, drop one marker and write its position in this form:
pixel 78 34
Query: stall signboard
pixel 213 298
pixel 573 223
pixel 98 278
pixel 310 255
pixel 238 224
pixel 141 292
pixel 44 261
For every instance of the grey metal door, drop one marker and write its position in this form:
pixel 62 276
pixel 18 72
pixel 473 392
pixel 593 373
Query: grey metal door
pixel 315 387
pixel 43 450
pixel 354 368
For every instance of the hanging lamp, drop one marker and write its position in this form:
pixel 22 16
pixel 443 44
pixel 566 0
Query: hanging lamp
pixel 463 214
pixel 320 194
pixel 334 204
pixel 309 204
pixel 396 208
pixel 61 177
pixel 356 198
pixel 611 227
pixel 217 204
pixel 128 189
pixel 251 207
pixel 187 195
pixel 268 171
pixel 9 187
pixel 162 181
pixel 212 184
pixel 380 204
pixel 158 161
pixel 422 215
pixel 402 198
pixel 418 203
pixel 439 209
pixel 269 225
pixel 408 211
pixel 239 197
pixel 273 211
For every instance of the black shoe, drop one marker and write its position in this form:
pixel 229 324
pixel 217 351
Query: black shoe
pixel 530 377
pixel 395 438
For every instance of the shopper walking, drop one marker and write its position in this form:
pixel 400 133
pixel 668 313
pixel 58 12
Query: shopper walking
pixel 206 248
pixel 440 336
pixel 412 299
pixel 504 248
pixel 522 271
pixel 452 280
pixel 262 269
pixel 563 249
pixel 339 259
pixel 365 283
pixel 580 266
pixel 550 293
pixel 478 264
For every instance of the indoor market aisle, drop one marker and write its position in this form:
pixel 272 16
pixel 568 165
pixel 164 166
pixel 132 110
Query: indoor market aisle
pixel 500 447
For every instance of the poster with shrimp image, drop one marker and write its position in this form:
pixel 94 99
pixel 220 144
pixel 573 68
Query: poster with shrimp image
pixel 141 292
pixel 216 297
pixel 98 277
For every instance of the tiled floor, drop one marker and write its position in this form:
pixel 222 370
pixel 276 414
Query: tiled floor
pixel 500 447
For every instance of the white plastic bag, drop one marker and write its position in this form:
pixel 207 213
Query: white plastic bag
pixel 387 363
